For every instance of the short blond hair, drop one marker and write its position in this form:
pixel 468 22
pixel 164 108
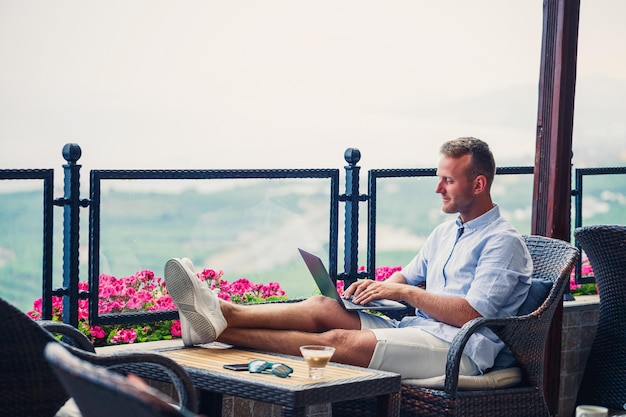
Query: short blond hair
pixel 481 162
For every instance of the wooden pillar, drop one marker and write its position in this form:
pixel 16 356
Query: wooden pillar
pixel 553 156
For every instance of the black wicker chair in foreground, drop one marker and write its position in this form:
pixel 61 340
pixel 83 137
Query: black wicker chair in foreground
pixel 604 380
pixel 99 392
pixel 515 390
pixel 29 387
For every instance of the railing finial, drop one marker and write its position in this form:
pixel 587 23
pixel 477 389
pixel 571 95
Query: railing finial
pixel 352 156
pixel 72 153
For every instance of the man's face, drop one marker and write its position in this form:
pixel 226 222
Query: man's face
pixel 457 192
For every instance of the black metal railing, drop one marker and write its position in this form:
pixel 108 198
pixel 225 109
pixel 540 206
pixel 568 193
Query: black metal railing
pixel 47 175
pixel 352 199
pixel 98 176
pixel 577 194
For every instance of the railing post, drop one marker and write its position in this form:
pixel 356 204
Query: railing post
pixel 71 231
pixel 352 199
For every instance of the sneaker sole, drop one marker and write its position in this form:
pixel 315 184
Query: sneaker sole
pixel 181 287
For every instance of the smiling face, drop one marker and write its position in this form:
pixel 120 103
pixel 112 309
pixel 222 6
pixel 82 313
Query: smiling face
pixel 459 192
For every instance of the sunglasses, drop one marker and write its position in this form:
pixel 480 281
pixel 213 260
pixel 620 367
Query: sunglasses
pixel 263 367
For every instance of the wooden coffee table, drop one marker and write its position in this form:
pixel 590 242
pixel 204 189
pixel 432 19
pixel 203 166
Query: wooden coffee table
pixel 341 382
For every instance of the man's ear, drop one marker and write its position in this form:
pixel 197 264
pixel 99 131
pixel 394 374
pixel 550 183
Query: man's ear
pixel 480 184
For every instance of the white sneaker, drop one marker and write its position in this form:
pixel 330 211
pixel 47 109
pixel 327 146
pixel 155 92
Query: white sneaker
pixel 187 263
pixel 201 319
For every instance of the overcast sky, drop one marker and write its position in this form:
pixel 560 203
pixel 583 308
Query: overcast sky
pixel 278 84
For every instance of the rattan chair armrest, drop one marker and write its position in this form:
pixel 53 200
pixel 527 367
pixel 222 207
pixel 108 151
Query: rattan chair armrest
pixel 70 334
pixel 135 362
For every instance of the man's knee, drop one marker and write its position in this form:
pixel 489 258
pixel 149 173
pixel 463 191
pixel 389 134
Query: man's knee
pixel 320 301
pixel 341 337
pixel 322 307
pixel 356 339
pixel 354 347
pixel 328 314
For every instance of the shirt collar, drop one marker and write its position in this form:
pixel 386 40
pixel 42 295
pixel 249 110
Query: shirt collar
pixel 481 221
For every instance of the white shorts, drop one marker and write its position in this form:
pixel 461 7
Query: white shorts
pixel 409 351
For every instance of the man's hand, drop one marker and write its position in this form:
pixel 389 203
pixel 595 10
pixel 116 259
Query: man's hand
pixel 367 290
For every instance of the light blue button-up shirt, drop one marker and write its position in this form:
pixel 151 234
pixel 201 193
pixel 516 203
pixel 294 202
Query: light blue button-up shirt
pixel 484 261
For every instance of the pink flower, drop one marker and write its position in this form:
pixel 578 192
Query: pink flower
pixel 145 275
pixel 164 302
pixel 57 306
pixel 224 296
pixel 35 313
pixel 340 288
pixel 384 272
pixel 585 271
pixel 128 292
pixel 97 332
pixel 124 336
pixel 240 286
pixel 135 303
pixel 210 275
pixel 83 309
pixel 175 329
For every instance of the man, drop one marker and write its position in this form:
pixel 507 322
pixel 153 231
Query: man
pixel 475 266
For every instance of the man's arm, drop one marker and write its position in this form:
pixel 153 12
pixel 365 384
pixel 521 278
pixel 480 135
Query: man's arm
pixel 455 311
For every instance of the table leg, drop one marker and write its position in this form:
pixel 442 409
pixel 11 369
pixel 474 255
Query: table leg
pixel 210 403
pixel 388 405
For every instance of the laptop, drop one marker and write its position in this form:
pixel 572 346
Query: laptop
pixel 327 287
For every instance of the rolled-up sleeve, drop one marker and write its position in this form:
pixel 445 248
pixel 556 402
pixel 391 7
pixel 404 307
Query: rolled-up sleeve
pixel 502 277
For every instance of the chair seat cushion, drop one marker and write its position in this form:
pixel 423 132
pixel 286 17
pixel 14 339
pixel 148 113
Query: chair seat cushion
pixel 502 378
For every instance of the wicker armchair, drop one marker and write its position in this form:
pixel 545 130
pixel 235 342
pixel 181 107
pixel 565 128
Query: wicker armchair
pixel 604 380
pixel 525 335
pixel 29 387
pixel 99 392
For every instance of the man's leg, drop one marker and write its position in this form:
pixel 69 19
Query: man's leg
pixel 279 327
pixel 314 315
pixel 352 347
